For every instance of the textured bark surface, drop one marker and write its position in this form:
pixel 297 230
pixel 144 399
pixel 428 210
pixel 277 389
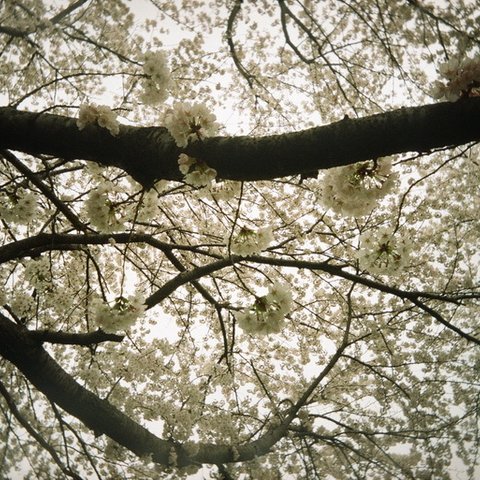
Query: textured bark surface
pixel 149 154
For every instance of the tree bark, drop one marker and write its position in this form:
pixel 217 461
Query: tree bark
pixel 149 153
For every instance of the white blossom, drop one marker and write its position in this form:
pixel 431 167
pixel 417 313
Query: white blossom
pixel 101 210
pixel 157 78
pixel 225 190
pixel 149 206
pixel 22 304
pixel 121 315
pixel 38 274
pixel 187 122
pixel 384 252
pixel 248 241
pixel 354 190
pixel 196 173
pixel 99 114
pixel 462 76
pixel 267 314
pixel 19 207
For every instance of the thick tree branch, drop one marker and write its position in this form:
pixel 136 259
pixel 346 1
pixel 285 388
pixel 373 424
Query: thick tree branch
pixel 82 339
pixel 48 377
pixel 17 346
pixel 149 153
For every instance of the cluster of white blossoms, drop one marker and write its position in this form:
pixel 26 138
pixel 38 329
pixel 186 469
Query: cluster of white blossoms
pixel 157 78
pixel 248 241
pixel 196 173
pixel 38 273
pixel 354 190
pixel 121 316
pixel 101 211
pixel 462 78
pixel 99 114
pixel 20 207
pixel 225 190
pixel 187 122
pixel 384 252
pixel 149 206
pixel 267 314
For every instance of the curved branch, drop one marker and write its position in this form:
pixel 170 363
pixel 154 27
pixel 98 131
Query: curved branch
pixel 335 270
pixel 27 246
pixel 102 417
pixel 233 52
pixel 149 153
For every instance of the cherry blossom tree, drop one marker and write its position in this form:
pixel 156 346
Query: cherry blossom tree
pixel 239 239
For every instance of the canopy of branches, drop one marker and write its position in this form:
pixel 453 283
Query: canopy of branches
pixel 239 239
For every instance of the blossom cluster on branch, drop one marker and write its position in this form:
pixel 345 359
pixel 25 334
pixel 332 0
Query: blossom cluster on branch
pixel 384 252
pixel 354 190
pixel 196 173
pixel 462 78
pixel 267 314
pixel 98 114
pixel 157 78
pixel 18 207
pixel 119 316
pixel 187 122
pixel 101 210
pixel 248 241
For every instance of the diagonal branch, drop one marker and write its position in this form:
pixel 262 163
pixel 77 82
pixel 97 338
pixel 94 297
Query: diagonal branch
pixel 24 170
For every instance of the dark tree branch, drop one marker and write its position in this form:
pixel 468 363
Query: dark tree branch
pixel 231 45
pixel 102 417
pixel 25 247
pixel 15 32
pixel 149 153
pixel 82 339
pixel 31 246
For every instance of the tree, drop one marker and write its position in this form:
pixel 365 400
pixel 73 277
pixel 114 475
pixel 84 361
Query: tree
pixel 288 290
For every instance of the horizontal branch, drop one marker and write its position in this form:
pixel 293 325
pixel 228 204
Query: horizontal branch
pixel 336 270
pixel 149 153
pixel 81 339
pixel 45 241
pixel 58 241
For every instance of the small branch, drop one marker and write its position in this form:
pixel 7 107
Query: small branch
pixel 15 32
pixel 438 19
pixel 67 11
